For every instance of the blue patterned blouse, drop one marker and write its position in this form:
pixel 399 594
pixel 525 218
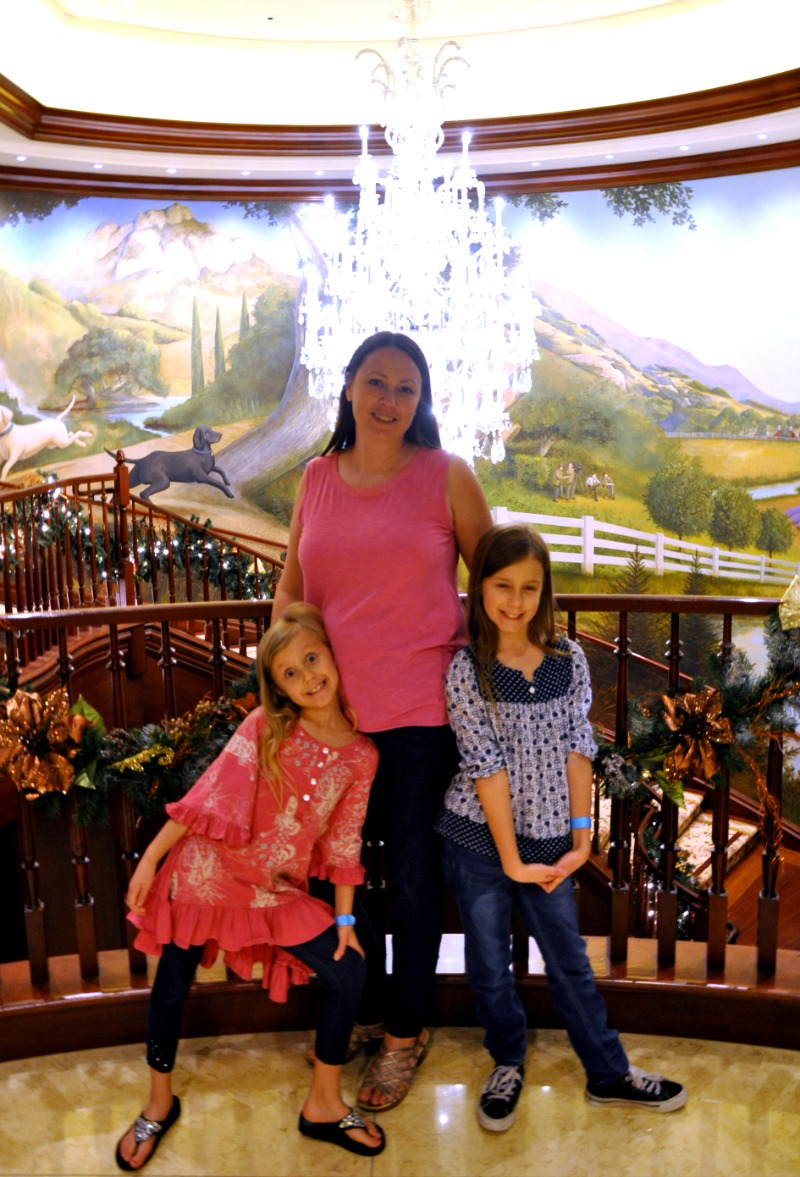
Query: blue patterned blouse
pixel 530 732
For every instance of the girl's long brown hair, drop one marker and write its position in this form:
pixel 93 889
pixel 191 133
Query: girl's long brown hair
pixel 500 546
pixel 281 713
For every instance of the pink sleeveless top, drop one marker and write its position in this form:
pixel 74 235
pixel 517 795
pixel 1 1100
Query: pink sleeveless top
pixel 381 565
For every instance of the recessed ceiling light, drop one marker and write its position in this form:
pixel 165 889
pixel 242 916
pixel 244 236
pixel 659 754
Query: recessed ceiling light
pixel 245 173
pixel 684 148
pixel 171 171
pixel 98 167
pixel 319 173
pixel 609 157
pixel 761 136
pixel 535 163
pixel 21 158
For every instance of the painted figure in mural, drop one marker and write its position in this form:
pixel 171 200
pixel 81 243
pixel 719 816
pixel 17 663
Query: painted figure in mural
pixel 379 523
pixel 159 468
pixel 285 799
pixel 516 823
pixel 24 441
pixel 569 482
pixel 592 485
pixel 608 485
pixel 558 480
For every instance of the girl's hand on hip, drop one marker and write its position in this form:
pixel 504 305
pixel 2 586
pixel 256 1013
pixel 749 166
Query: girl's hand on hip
pixel 347 939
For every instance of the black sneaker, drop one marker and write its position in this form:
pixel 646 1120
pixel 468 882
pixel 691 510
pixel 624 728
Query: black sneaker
pixel 497 1105
pixel 638 1089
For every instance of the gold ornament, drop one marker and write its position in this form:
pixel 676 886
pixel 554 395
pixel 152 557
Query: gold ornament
pixel 789 608
pixel 158 752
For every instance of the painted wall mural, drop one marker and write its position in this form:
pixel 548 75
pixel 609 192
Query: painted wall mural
pixel 664 421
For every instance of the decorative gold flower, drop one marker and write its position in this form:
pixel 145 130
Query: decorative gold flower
pixel 38 742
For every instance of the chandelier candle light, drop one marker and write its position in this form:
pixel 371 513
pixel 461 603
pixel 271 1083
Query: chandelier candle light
pixel 424 260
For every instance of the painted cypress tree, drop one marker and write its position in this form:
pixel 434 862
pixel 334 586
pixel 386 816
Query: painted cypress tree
pixel 244 319
pixel 198 379
pixel 700 634
pixel 219 349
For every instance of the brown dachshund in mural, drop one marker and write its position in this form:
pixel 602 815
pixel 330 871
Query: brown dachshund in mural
pixel 161 467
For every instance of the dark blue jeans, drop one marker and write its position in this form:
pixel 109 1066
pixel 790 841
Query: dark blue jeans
pixel 485 896
pixel 416 766
pixel 342 982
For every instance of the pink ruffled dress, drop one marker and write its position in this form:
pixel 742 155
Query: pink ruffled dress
pixel 237 881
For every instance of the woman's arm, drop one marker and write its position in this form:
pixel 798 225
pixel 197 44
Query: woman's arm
pixel 290 585
pixel 494 794
pixel 142 878
pixel 468 507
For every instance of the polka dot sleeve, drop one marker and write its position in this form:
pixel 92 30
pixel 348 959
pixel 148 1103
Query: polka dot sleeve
pixel 469 715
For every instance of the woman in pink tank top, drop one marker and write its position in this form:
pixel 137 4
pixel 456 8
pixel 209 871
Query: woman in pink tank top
pixel 379 523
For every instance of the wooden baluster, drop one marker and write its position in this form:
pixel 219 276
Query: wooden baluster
pixel 70 506
pixel 116 666
pixel 137 549
pixel 109 576
pixel 25 649
pixel 717 895
pixel 667 897
pixel 12 660
pixel 129 858
pixel 572 627
pixel 170 564
pixel 126 528
pixel 92 549
pixel 168 662
pixel 217 658
pixel 239 556
pixel 151 540
pixel 619 844
pixel 8 556
pixel 79 555
pixel 60 540
pixel 223 590
pixel 187 561
pixel 34 906
pixel 85 926
pixel 768 899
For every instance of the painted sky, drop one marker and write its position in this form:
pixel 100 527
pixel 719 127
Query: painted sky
pixel 725 292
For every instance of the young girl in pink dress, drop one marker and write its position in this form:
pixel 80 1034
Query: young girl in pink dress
pixel 285 800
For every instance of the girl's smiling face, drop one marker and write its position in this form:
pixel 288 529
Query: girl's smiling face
pixel 304 671
pixel 512 595
pixel 385 393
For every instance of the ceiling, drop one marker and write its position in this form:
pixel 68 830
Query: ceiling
pixel 291 65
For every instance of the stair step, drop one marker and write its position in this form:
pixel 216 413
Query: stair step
pixel 692 802
pixel 696 844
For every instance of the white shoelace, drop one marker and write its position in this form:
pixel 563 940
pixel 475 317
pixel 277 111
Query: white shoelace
pixel 651 1084
pixel 502 1082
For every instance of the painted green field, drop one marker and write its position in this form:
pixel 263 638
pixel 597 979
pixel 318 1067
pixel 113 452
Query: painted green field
pixel 750 462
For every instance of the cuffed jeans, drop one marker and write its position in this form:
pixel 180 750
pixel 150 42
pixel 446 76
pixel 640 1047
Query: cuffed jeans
pixel 342 982
pixel 485 896
pixel 416 765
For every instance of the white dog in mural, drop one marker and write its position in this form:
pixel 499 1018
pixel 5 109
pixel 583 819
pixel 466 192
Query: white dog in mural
pixel 23 441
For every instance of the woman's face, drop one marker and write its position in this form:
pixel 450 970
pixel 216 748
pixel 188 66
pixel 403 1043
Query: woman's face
pixel 384 393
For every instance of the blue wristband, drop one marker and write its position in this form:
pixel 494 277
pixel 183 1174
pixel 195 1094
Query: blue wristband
pixel 580 823
pixel 345 921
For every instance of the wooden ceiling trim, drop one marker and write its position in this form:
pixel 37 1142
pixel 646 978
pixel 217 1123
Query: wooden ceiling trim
pixel 171 188
pixel 758 96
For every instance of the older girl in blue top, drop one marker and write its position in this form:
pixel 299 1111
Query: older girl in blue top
pixel 516 822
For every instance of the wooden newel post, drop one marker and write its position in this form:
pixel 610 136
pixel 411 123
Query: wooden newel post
pixel 768 900
pixel 667 898
pixel 85 926
pixel 619 844
pixel 34 907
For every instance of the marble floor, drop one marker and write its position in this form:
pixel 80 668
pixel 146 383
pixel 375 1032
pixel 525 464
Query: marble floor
pixel 63 1114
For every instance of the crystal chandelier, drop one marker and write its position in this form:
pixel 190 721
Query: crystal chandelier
pixel 421 257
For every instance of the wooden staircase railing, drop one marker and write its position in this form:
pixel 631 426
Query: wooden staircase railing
pixel 174 625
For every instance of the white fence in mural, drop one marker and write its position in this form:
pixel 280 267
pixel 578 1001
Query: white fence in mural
pixel 591 543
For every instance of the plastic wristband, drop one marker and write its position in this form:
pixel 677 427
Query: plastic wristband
pixel 345 921
pixel 580 823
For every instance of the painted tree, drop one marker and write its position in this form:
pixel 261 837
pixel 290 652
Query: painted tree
pixel 776 532
pixel 699 633
pixel 198 379
pixel 108 361
pixel 678 497
pixel 735 518
pixel 219 348
pixel 244 319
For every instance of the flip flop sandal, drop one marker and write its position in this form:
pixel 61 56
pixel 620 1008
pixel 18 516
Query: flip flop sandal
pixel 392 1072
pixel 154 1130
pixel 335 1132
pixel 366 1038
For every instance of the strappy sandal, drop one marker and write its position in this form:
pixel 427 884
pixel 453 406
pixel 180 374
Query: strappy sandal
pixel 143 1130
pixel 335 1132
pixel 366 1038
pixel 392 1072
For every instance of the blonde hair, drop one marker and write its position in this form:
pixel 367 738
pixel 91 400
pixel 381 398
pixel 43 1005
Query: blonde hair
pixel 280 712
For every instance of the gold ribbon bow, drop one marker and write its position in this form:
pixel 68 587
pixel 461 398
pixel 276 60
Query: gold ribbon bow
pixel 698 720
